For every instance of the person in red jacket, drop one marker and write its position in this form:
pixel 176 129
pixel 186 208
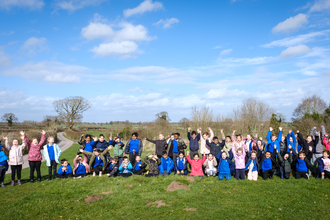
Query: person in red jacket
pixel 196 165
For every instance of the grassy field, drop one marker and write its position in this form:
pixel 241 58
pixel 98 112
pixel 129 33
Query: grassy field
pixel 128 198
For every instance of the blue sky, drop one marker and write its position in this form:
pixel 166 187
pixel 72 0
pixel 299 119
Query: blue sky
pixel 133 59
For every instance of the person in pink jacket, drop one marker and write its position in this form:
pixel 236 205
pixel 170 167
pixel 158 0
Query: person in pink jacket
pixel 15 158
pixel 238 150
pixel 34 156
pixel 81 167
pixel 196 165
pixel 205 149
pixel 325 142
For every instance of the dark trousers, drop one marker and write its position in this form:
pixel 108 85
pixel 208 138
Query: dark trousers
pixel 64 176
pixel 82 175
pixel 240 173
pixel 175 155
pixel 15 168
pixel 287 175
pixel 52 169
pixel 301 174
pixel 266 173
pixel 150 175
pixel 139 172
pixel 98 169
pixel 35 165
pixel 2 173
pixel 326 174
pixel 193 152
pixel 125 174
pixel 132 157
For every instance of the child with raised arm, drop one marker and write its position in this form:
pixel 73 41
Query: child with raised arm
pixel 134 147
pixel 176 146
pixel 97 160
pixel 302 165
pixel 196 165
pixel 205 149
pixel 153 161
pixel 117 148
pixel 34 156
pixel 273 140
pixel 268 164
pixel 228 146
pixel 113 168
pixel 125 168
pixel 139 167
pixel 326 141
pixel 81 167
pixel 291 141
pixel 15 158
pixel 180 165
pixel 3 167
pixel 238 151
pixel 210 165
pixel 318 149
pixel 252 166
pixel 166 165
pixel 88 144
pixel 225 166
pixel 324 164
pixel 161 145
pixel 100 143
pixel 193 138
pixel 52 153
pixel 215 145
pixel 308 144
pixel 65 170
pixel 285 163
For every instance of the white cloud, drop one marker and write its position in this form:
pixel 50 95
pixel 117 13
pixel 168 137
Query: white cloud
pixel 223 93
pixel 132 32
pixel 145 6
pixel 72 5
pixel 34 45
pixel 97 30
pixel 124 49
pixel 167 23
pixel 294 51
pixel 31 4
pixel 232 62
pixel 4 60
pixel 300 39
pixel 320 5
pixel 50 72
pixel 291 24
pixel 217 47
pixel 225 52
pixel 326 72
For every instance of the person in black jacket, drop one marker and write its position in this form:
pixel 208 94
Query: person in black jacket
pixel 308 144
pixel 161 145
pixel 215 145
pixel 113 167
pixel 193 142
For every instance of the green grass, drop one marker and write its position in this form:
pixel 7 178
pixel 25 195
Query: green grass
pixel 212 199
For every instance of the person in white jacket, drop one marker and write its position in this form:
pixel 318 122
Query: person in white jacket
pixel 52 153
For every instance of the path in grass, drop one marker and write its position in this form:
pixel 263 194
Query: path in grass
pixel 62 142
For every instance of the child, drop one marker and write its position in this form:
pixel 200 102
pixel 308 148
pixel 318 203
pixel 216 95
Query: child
pixel 302 165
pixel 134 147
pixel 34 156
pixel 65 170
pixel 113 168
pixel 238 151
pixel 97 160
pixel 325 142
pixel 252 166
pixel 268 164
pixel 3 167
pixel 180 165
pixel 161 144
pixel 225 166
pixel 170 139
pixel 318 149
pixel 291 141
pixel 88 144
pixel 205 149
pixel 100 143
pixel 272 140
pixel 153 161
pixel 285 163
pixel 176 146
pixel 139 167
pixel 308 144
pixel 81 167
pixel 324 164
pixel 196 165
pixel 52 153
pixel 215 146
pixel 15 158
pixel 125 168
pixel 193 141
pixel 249 142
pixel 166 165
pixel 228 146
pixel 210 165
pixel 117 148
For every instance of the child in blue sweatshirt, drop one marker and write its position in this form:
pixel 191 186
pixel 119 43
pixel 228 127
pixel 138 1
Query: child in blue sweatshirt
pixel 225 166
pixel 166 165
pixel 65 170
pixel 273 140
pixel 302 165
pixel 180 165
pixel 139 167
pixel 134 147
pixel 267 165
pixel 125 169
pixel 3 166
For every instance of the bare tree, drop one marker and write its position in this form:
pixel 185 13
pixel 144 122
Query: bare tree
pixel 184 122
pixel 309 105
pixel 202 117
pixel 70 109
pixel 9 118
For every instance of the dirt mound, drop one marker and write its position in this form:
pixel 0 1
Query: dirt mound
pixel 190 209
pixel 129 185
pixel 159 203
pixel 190 179
pixel 176 186
pixel 107 192
pixel 93 198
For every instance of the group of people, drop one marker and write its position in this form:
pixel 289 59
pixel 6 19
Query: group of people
pixel 231 156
